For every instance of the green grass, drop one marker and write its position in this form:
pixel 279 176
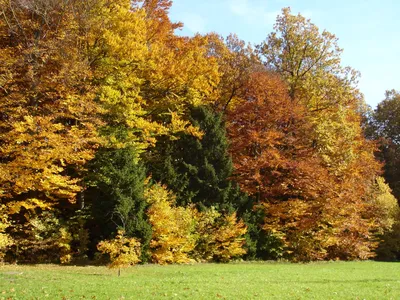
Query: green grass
pixel 330 280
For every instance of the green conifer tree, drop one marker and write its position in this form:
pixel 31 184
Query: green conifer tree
pixel 198 170
pixel 117 197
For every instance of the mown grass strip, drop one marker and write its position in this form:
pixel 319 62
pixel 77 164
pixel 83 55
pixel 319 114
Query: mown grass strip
pixel 329 280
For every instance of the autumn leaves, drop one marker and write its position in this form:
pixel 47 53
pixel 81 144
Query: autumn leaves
pixel 87 87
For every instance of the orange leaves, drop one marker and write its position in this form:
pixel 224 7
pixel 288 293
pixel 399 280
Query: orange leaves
pixel 275 161
pixel 265 133
pixel 48 120
pixel 77 75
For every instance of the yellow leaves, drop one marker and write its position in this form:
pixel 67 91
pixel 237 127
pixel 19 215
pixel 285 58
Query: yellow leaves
pixel 172 227
pixel 338 138
pixel 5 239
pixel 125 33
pixel 41 149
pixel 384 206
pixel 179 125
pixel 181 233
pixel 219 237
pixel 59 186
pixel 64 244
pixel 123 251
pixel 31 204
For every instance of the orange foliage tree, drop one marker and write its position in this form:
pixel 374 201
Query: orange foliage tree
pixel 318 211
pixel 48 116
pixel 275 162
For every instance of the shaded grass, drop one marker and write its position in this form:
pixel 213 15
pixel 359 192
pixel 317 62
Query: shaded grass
pixel 329 280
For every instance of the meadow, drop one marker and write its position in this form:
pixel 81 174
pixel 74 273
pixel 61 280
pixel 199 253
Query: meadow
pixel 323 280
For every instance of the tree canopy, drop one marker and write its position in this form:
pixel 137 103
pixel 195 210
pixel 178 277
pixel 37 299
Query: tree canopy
pixel 122 141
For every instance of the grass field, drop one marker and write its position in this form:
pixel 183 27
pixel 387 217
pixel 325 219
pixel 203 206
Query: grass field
pixel 330 280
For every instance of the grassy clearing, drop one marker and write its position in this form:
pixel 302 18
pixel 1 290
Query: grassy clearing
pixel 331 280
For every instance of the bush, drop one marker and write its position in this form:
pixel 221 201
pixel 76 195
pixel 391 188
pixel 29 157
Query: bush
pixel 220 237
pixel 123 251
pixel 173 227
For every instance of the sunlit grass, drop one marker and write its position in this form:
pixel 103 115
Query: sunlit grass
pixel 331 280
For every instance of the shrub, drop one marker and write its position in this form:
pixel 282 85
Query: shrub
pixel 172 227
pixel 220 237
pixel 123 251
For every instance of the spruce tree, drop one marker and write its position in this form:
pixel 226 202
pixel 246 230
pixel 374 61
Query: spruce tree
pixel 117 197
pixel 198 170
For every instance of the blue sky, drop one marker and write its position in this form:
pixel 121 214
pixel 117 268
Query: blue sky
pixel 368 30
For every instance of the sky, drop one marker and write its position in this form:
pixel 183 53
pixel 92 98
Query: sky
pixel 368 30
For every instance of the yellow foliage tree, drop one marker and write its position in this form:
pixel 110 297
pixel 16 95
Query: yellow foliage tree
pixel 123 251
pixel 49 118
pixel 220 237
pixel 147 76
pixel 386 207
pixel 173 227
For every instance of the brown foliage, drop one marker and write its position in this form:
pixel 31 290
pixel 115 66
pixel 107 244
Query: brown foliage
pixel 318 210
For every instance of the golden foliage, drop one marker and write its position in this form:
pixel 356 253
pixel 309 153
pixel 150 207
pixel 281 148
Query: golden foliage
pixel 49 116
pixel 173 227
pixel 123 251
pixel 220 237
pixel 386 209
pixel 5 239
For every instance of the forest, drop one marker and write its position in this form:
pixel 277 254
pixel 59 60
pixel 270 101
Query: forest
pixel 123 142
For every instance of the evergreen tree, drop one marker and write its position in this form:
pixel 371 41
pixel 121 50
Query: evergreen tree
pixel 198 170
pixel 117 197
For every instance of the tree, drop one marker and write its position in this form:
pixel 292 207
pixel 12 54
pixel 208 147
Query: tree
pixel 147 76
pixel 274 159
pixel 382 125
pixel 198 170
pixel 116 197
pixel 385 122
pixel 48 114
pixel 220 237
pixel 123 251
pixel 173 235
pixel 309 61
pixel 317 210
pixel 181 234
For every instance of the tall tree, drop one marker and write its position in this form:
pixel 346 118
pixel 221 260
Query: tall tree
pixel 48 114
pixel 275 163
pixel 116 198
pixel 309 61
pixel 385 124
pixel 198 170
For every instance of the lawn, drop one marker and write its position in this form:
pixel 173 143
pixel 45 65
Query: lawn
pixel 329 280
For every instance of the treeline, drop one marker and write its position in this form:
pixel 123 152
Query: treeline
pixel 119 137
